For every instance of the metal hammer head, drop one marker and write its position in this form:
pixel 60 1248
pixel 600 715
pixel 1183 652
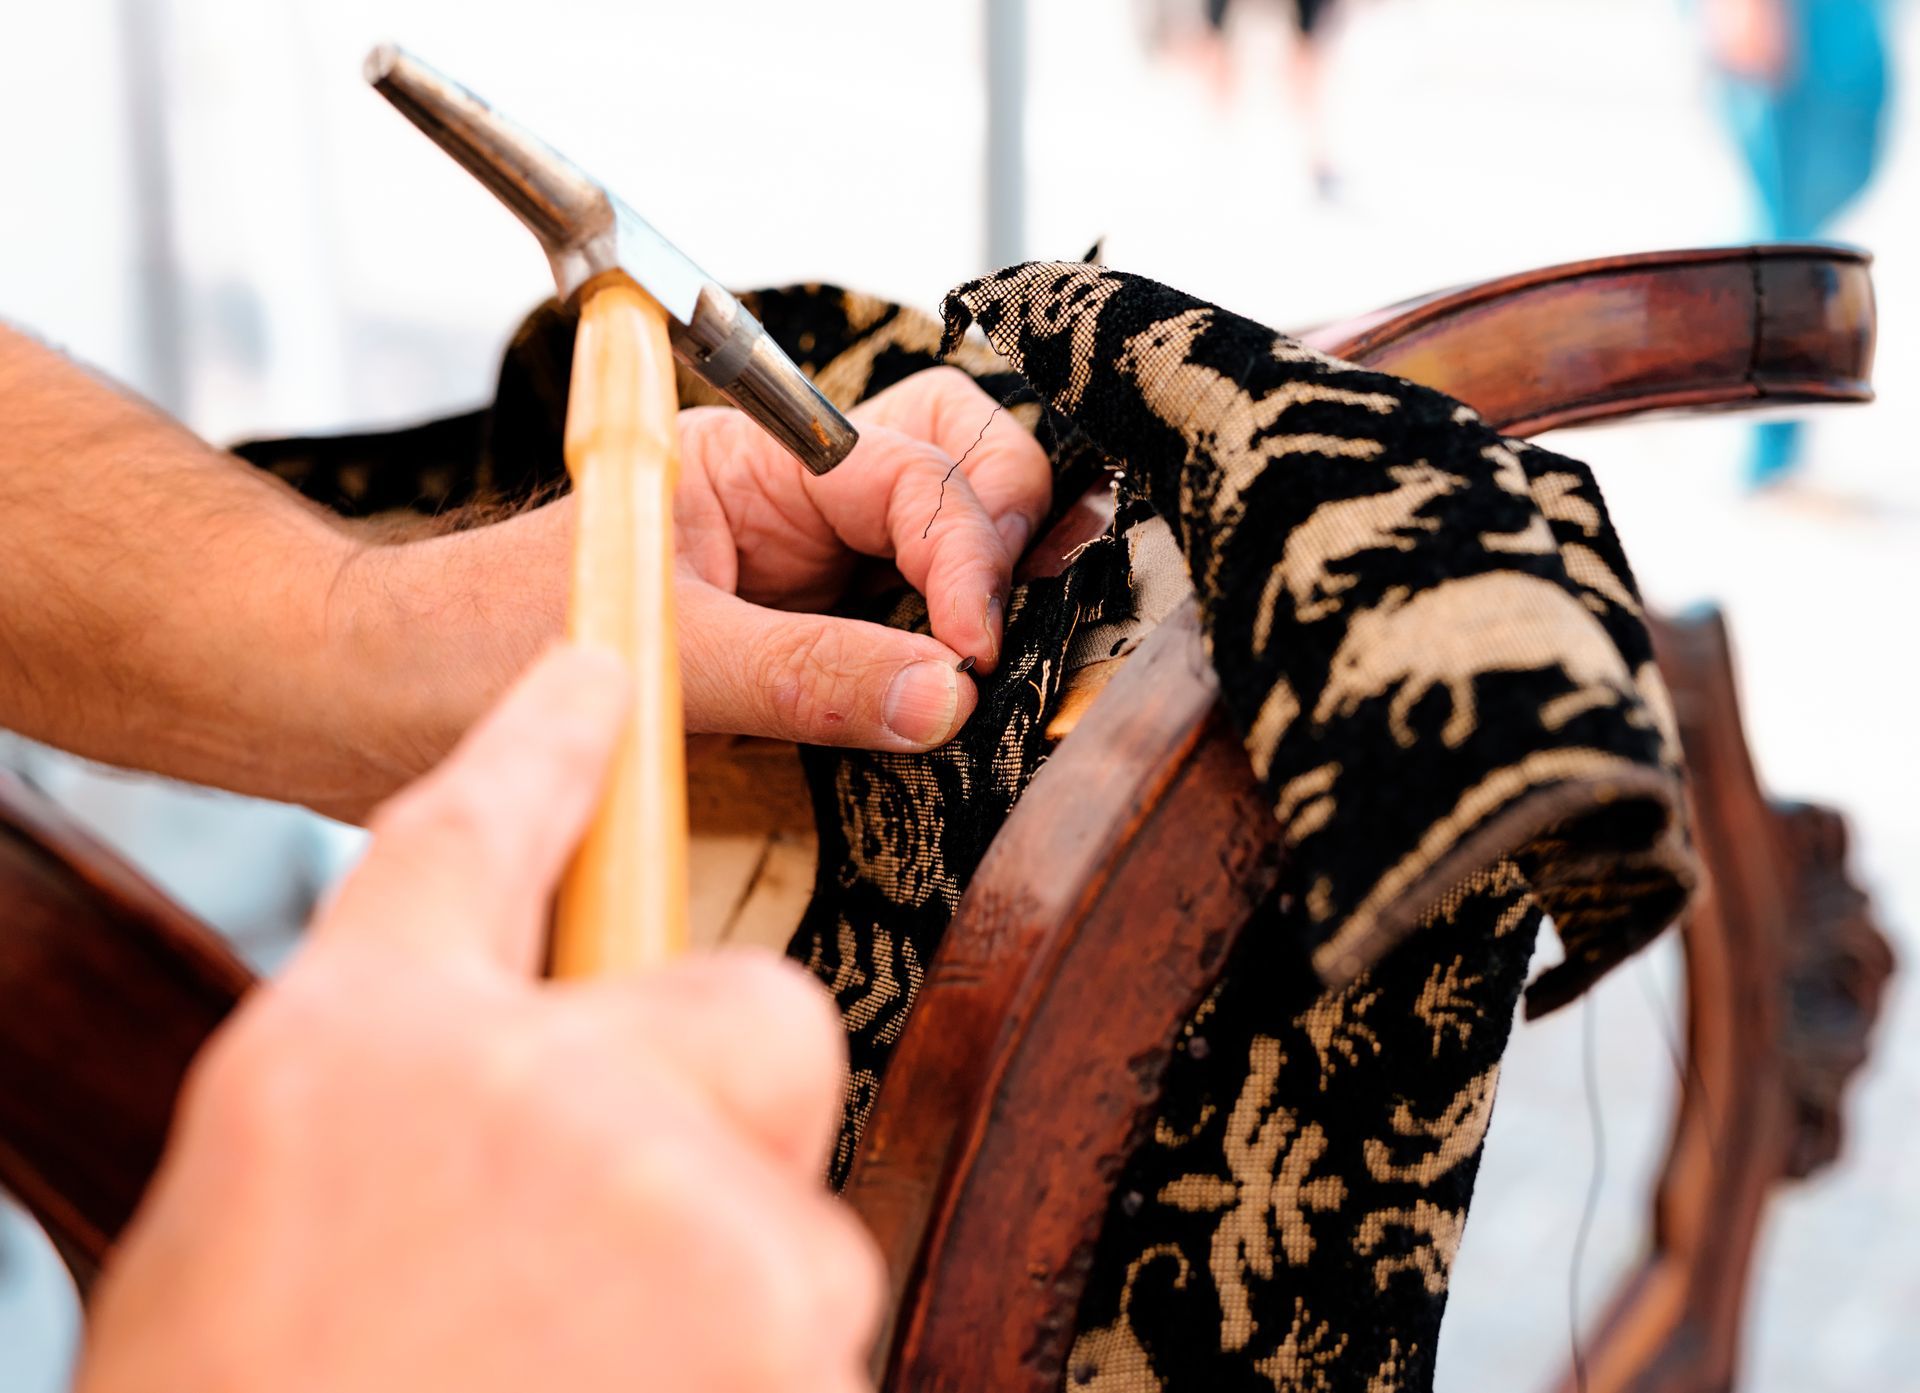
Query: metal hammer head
pixel 586 232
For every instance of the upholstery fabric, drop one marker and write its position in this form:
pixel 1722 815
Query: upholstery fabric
pixel 1427 673
pixel 1432 645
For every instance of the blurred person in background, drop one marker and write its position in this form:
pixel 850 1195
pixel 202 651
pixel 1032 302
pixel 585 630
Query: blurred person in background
pixel 1805 86
pixel 1209 42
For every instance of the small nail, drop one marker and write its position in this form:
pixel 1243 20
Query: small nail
pixel 1014 530
pixel 965 664
pixel 921 703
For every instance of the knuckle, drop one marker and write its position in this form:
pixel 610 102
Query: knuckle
pixel 511 1078
pixel 948 381
pixel 815 1294
pixel 923 463
pixel 657 1193
pixel 859 1279
pixel 783 1316
pixel 254 1084
pixel 790 1006
pixel 440 818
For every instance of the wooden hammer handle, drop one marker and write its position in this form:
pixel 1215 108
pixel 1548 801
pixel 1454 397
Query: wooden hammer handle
pixel 623 904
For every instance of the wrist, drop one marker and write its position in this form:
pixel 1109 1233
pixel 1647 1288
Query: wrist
pixel 282 698
pixel 418 639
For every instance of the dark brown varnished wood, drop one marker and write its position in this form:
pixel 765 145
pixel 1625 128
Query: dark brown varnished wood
pixel 1086 945
pixel 1035 1051
pixel 107 990
pixel 966 1225
pixel 1599 340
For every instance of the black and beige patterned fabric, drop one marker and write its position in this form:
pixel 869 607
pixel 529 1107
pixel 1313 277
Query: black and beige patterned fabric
pixel 1291 1224
pixel 1433 647
pixel 1428 672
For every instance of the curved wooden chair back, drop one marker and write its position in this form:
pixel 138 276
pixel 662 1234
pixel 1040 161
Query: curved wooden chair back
pixel 1037 1044
pixel 1090 930
pixel 1786 970
pixel 107 991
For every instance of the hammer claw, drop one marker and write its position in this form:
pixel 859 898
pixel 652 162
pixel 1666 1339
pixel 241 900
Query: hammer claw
pixel 587 231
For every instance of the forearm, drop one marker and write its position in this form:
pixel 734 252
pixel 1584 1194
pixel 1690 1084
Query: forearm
pixel 164 607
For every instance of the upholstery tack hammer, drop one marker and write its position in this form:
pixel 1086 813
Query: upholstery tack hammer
pixel 642 303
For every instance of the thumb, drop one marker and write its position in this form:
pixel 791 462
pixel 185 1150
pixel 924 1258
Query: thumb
pixel 815 679
pixel 464 862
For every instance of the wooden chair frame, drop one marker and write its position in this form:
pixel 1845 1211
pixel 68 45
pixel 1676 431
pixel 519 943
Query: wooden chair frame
pixel 1091 929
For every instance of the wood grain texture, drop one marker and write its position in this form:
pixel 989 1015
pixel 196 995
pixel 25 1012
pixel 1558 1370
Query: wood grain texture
pixel 983 1162
pixel 623 904
pixel 1036 1048
pixel 1785 975
pixel 1094 885
pixel 1598 340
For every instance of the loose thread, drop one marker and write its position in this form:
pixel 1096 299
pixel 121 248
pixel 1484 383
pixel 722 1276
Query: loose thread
pixel 1685 1067
pixel 941 502
pixel 1590 1075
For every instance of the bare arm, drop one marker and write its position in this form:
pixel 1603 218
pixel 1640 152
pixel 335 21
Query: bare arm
pixel 164 606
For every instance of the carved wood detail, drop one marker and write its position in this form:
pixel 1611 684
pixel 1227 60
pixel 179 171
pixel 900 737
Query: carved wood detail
pixel 1785 974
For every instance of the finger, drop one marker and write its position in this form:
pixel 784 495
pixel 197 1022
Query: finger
pixel 802 1276
pixel 902 497
pixel 753 1032
pixel 894 496
pixel 761 1044
pixel 743 519
pixel 1000 458
pixel 814 678
pixel 847 1280
pixel 465 860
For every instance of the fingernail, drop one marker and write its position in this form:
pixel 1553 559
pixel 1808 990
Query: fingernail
pixel 993 621
pixel 1014 530
pixel 922 703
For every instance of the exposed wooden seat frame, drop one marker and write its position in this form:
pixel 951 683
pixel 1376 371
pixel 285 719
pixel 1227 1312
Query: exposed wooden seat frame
pixel 1035 1050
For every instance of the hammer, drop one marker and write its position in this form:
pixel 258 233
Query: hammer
pixel 642 303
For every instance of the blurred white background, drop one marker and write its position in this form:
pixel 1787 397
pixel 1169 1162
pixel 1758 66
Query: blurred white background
pixel 205 200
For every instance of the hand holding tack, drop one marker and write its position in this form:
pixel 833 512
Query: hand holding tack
pixel 642 304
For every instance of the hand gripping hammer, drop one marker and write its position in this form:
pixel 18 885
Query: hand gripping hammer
pixel 642 303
